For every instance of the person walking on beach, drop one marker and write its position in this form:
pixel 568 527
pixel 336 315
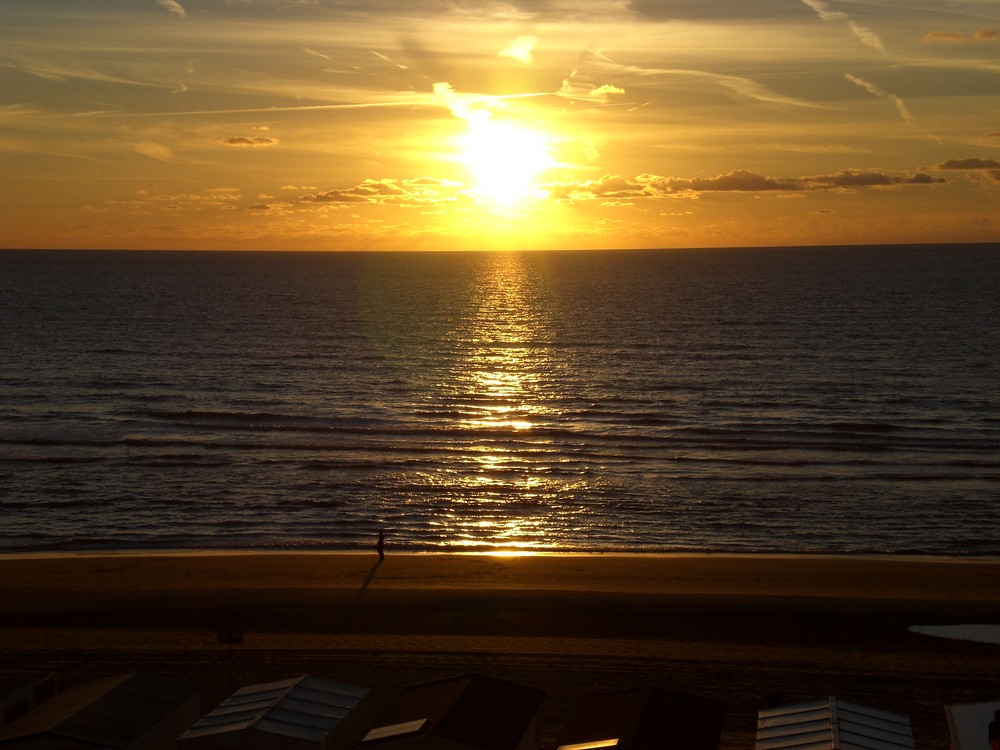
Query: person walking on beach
pixel 380 544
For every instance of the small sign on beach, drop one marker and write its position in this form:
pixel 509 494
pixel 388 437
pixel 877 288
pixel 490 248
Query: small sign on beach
pixel 231 636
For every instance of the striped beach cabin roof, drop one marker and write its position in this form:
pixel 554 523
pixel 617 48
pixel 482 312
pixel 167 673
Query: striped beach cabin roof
pixel 832 724
pixel 306 712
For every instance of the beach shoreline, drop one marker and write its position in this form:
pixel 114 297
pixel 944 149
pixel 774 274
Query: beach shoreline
pixel 733 627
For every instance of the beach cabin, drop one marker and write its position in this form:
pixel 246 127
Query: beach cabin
pixel 470 712
pixel 135 711
pixel 304 713
pixel 969 724
pixel 832 724
pixel 643 719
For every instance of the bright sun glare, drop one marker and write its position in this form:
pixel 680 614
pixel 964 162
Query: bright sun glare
pixel 505 159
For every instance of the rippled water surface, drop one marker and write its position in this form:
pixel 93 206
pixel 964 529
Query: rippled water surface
pixel 817 400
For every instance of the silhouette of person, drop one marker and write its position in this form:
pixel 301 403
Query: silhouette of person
pixel 380 544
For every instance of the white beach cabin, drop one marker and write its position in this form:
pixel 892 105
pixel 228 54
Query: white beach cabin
pixel 970 724
pixel 305 713
pixel 832 724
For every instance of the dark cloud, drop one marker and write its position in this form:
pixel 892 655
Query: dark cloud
pixel 852 178
pixel 973 163
pixel 987 35
pixel 616 187
pixel 272 206
pixel 253 141
pixel 333 196
pixel 418 191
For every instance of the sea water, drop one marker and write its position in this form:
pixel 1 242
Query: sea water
pixel 826 400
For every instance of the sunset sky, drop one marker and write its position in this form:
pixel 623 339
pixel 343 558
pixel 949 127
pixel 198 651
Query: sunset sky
pixel 427 124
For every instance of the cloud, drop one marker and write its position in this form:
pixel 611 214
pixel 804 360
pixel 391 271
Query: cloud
pixel 983 35
pixel 314 53
pixel 616 187
pixel 255 141
pixel 208 199
pixel 154 151
pixel 602 92
pixel 857 178
pixel 16 110
pixel 385 58
pixel 68 69
pixel 864 34
pixel 971 163
pixel 580 90
pixel 520 49
pixel 823 11
pixel 896 102
pixel 403 99
pixel 981 168
pixel 173 6
pixel 271 207
pixel 732 86
pixel 945 36
pixel 418 191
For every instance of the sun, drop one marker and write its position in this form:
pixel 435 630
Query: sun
pixel 505 159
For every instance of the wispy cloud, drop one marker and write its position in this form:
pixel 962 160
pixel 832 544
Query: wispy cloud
pixel 154 151
pixel 386 58
pixel 864 34
pixel 406 99
pixel 17 110
pixel 51 69
pixel 173 6
pixel 896 102
pixel 734 86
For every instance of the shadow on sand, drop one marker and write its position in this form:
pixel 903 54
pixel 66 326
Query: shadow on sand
pixel 357 600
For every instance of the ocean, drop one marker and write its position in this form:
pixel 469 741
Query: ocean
pixel 840 400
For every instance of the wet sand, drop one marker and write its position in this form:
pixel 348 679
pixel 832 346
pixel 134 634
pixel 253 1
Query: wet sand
pixel 728 627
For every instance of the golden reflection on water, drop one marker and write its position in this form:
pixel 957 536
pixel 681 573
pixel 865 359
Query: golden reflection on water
pixel 506 339
pixel 503 381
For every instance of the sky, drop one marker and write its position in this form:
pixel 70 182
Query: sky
pixel 461 124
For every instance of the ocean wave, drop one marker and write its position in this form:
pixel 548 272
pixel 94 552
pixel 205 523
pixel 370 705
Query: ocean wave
pixel 630 401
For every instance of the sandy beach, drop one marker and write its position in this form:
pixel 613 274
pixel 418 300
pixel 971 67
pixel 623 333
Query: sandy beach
pixel 728 627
